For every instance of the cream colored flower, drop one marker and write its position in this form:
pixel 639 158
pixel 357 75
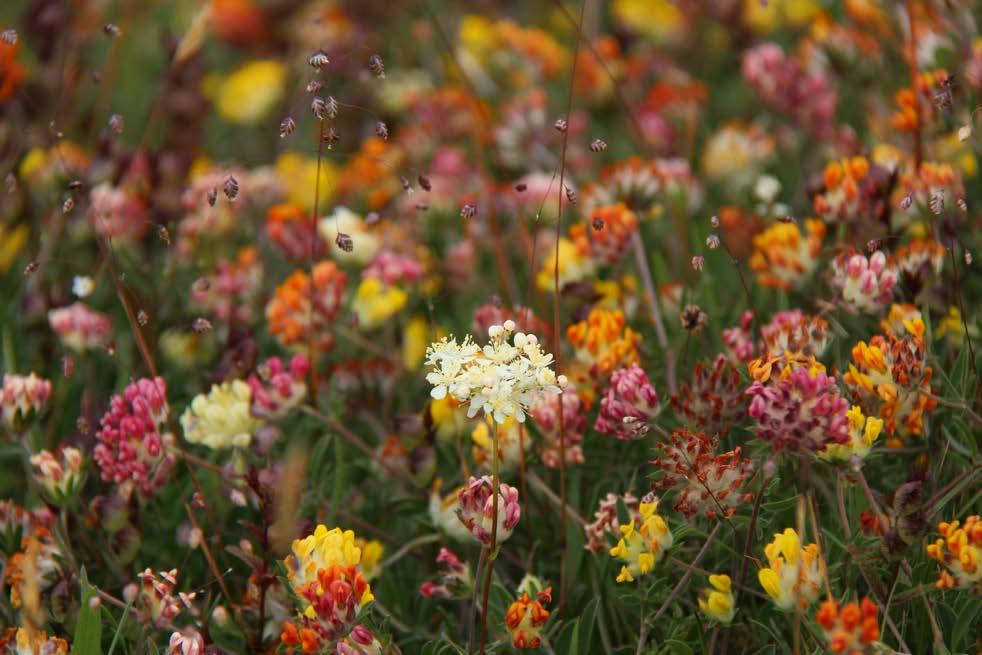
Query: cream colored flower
pixel 221 418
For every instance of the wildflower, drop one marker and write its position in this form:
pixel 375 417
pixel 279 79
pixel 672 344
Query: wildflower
pixel 606 522
pixel 795 332
pixel 132 448
pixel 494 314
pixel 512 444
pixel 390 268
pixel 630 401
pixel 735 153
pixel 555 442
pixel 155 596
pixel 609 244
pixel 800 414
pixel 633 182
pixel 960 552
pixel 365 244
pixel 575 265
pixel 502 378
pixel 22 398
pixel 60 477
pixel 714 400
pixel 325 573
pixel 848 190
pixel 903 320
pixel 79 327
pixel 297 174
pixel 867 284
pixel 891 376
pixel 230 292
pixel 360 641
pixel 186 642
pixel 708 483
pixel 277 388
pixel 784 257
pixel 455 578
pixel 863 432
pixel 307 303
pixel 371 557
pixel 603 343
pixel 30 641
pixel 33 569
pixel 475 508
pixel 13 72
pixel 118 213
pixel 222 418
pixel 852 629
pixel 525 618
pixel 82 286
pixel 376 302
pixel 739 340
pixel 643 542
pixel 716 602
pixel 918 262
pixel 248 94
pixel 793 574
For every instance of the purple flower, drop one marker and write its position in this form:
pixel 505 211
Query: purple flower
pixel 630 400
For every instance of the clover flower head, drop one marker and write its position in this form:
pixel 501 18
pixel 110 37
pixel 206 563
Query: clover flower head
pixel 229 293
pixel 525 618
pixel 848 190
pixel 607 235
pixel 156 596
pixel 277 388
pixel 716 601
pixel 30 641
pixel 643 542
pixel 79 327
pixel 34 568
pixel 793 573
pixel 186 642
pixel 739 339
pixel 784 257
pixel 556 442
pixel 960 553
pixel 575 265
pixel 475 509
pixel 307 303
pixel 392 267
pixel 918 263
pixel 708 483
pixel 503 378
pixel 633 182
pixel 713 401
pixel 603 342
pixel 58 474
pixel 851 629
pixel 132 449
pixel 221 418
pixel 22 397
pixel 455 578
pixel 630 401
pixel 864 283
pixel 118 212
pixel 795 332
pixel 802 413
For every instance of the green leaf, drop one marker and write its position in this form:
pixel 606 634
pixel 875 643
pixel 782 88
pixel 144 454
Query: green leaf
pixel 88 628
pixel 587 620
pixel 678 647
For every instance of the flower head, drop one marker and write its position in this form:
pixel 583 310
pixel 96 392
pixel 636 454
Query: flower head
pixel 607 235
pixel 792 573
pixel 866 284
pixel 79 327
pixel 22 397
pixel 852 629
pixel 863 432
pixel 222 418
pixel 59 476
pixel 603 342
pixel 455 578
pixel 229 293
pixel 475 508
pixel 716 601
pixel 557 442
pixel 277 388
pixel 307 303
pixel 643 542
pixel 714 400
pixel 630 401
pixel 783 257
pixel 960 553
pixel 525 618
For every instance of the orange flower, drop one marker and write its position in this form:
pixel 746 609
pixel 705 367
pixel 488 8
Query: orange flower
pixel 526 617
pixel 960 551
pixel 11 72
pixel 290 314
pixel 603 343
pixel 608 234
pixel 851 629
pixel 784 257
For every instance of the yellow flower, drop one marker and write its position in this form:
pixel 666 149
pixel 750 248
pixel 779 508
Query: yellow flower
pixel 323 550
pixel 641 546
pixel 960 551
pixel 717 602
pixel 298 174
pixel 371 557
pixel 248 94
pixel 510 443
pixel 222 418
pixel 659 20
pixel 784 257
pixel 793 572
pixel 766 17
pixel 415 339
pixel 863 431
pixel 376 302
pixel 447 417
pixel 574 265
pixel 11 242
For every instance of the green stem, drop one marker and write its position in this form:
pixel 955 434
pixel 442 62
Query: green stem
pixel 493 548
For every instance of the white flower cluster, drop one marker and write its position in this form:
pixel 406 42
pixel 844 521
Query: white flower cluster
pixel 502 378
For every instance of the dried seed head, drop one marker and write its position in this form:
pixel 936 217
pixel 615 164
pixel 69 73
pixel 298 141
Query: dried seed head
pixel 313 86
pixel 962 205
pixel 425 183
pixel 163 234
pixel 201 325
pixel 714 221
pixel 332 107
pixel 964 132
pixel 142 318
pixel 521 187
pixel 331 138
pixel 377 66
pixel 9 37
pixel 116 123
pixel 287 125
pixel 469 210
pixel 698 261
pixel 872 245
pixel 967 257
pixel 68 205
pixel 344 242
pixel 560 125
pixel 598 223
pixel 111 30
pixel 318 60
pixel 693 318
pixel 381 131
pixel 32 267
pixel 570 195
pixel 906 202
pixel 406 184
pixel 67 366
pixel 598 145
pixel 212 196
pixel 936 203
pixel 82 425
pixel 786 219
pixel 318 107
pixel 712 242
pixel 231 188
